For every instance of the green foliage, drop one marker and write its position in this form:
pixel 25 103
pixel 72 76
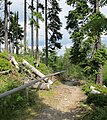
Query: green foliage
pixel 71 69
pixel 105 73
pixel 4 62
pixel 39 15
pixel 98 114
pixel 29 59
pixel 54 25
pixel 86 88
pixel 4 55
pixel 9 104
pixel 85 26
pixel 15 31
pixel 44 69
pixel 18 58
pixel 4 65
pixel 33 21
pixel 58 63
pixel 90 65
pixel 52 57
pixel 97 99
pixel 98 102
pixel 14 106
pixel 99 22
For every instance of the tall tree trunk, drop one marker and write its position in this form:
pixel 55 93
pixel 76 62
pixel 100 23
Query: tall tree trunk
pixel 6 26
pixel 46 33
pixel 17 48
pixel 0 46
pixel 32 34
pixel 98 46
pixel 37 43
pixel 13 45
pixel 9 44
pixel 25 22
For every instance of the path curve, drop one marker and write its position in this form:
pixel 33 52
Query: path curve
pixel 64 104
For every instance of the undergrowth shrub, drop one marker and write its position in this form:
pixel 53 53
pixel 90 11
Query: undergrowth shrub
pixel 11 103
pixel 29 59
pixel 87 90
pixel 104 73
pixel 97 99
pixel 98 114
pixel 4 64
pixel 4 55
pixel 14 106
pixel 44 69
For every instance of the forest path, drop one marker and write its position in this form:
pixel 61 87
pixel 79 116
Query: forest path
pixel 63 104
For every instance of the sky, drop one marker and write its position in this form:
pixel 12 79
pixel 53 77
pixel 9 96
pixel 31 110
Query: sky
pixel 66 42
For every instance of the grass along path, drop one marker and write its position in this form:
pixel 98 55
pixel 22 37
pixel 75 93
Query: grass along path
pixel 62 102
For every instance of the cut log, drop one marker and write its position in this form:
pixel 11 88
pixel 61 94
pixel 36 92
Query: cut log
pixel 39 85
pixel 13 61
pixel 37 72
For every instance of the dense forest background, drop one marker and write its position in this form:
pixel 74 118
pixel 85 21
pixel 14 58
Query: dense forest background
pixel 85 24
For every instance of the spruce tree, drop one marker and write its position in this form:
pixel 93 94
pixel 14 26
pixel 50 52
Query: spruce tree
pixel 86 24
pixel 54 25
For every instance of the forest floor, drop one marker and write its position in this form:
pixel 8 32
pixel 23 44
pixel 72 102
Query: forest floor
pixel 62 102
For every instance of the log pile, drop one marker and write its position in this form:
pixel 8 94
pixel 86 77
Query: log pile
pixel 30 71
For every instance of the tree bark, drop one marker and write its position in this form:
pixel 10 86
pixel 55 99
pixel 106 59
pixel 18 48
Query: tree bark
pixel 32 35
pixel 25 26
pixel 98 46
pixel 17 48
pixel 0 47
pixel 37 72
pixel 37 43
pixel 46 33
pixel 6 26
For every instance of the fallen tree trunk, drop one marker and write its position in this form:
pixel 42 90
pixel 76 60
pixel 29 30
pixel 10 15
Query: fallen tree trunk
pixel 13 61
pixel 37 72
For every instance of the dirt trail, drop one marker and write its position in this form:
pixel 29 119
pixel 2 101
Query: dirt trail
pixel 64 104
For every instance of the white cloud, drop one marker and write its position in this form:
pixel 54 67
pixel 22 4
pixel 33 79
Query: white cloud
pixel 104 10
